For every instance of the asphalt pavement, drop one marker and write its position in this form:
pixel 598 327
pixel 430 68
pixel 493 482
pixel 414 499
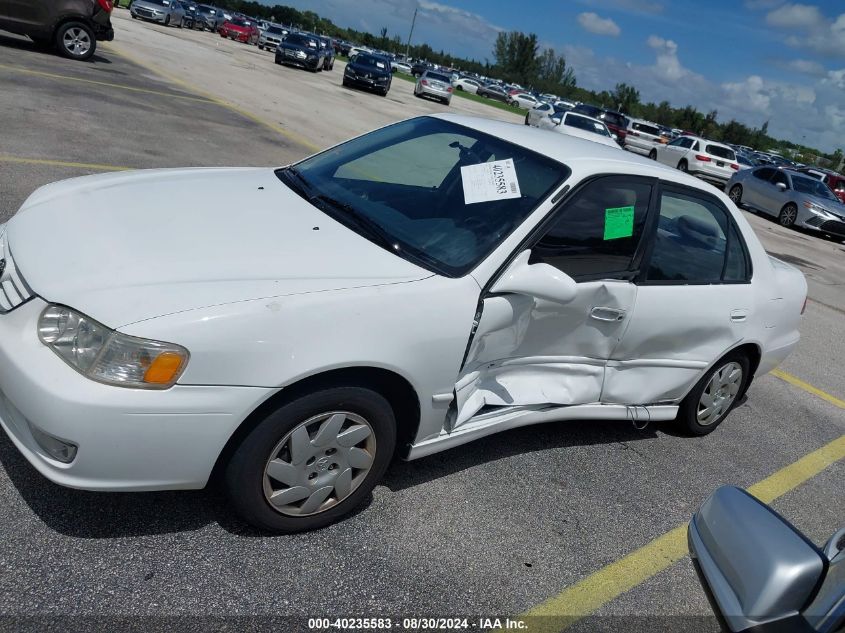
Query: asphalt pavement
pixel 491 528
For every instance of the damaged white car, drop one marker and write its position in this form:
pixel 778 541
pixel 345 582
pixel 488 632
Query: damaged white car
pixel 413 289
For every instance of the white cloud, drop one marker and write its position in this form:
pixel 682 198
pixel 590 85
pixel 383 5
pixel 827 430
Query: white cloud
pixel 632 6
pixel 806 66
pixel 600 26
pixel 815 31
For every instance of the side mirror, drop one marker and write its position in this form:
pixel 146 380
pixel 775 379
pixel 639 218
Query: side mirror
pixel 755 565
pixel 781 186
pixel 536 280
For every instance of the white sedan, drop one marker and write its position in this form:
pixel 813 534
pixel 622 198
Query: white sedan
pixel 523 100
pixel 466 84
pixel 582 126
pixel 411 290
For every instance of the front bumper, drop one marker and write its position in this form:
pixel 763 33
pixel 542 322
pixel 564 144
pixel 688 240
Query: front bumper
pixel 368 84
pixel 283 57
pixel 128 439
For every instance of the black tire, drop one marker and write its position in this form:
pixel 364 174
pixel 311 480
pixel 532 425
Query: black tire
pixel 278 60
pixel 526 118
pixel 384 92
pixel 683 165
pixel 689 409
pixel 787 215
pixel 167 20
pixel 653 154
pixel 244 476
pixel 459 88
pixel 735 194
pixel 66 49
pixel 345 83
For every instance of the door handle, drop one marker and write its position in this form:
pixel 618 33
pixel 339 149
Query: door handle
pixel 607 314
pixel 738 316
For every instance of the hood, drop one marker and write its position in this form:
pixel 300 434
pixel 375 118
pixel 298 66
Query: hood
pixel 131 246
pixel 235 27
pixel 833 206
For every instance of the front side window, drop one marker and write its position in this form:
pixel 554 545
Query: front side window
pixel 692 244
pixel 764 173
pixel 597 230
pixel 403 187
pixel 780 178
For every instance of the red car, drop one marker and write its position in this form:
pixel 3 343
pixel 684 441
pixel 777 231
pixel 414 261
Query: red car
pixel 241 30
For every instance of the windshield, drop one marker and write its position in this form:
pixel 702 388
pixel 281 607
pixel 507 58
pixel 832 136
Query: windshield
pixel 415 183
pixel 812 187
pixel 238 22
pixel 274 30
pixel 584 123
pixel 362 59
pixel 301 40
pixel 614 119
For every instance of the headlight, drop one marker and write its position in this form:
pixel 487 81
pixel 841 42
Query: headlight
pixel 301 54
pixel 814 208
pixel 107 356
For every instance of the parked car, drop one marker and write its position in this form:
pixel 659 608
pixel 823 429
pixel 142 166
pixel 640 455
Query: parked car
pixel 434 84
pixel 73 26
pixel 328 53
pixel 617 123
pixel 189 17
pixel 708 160
pixel 368 71
pixel 745 161
pixel 418 68
pixel 795 199
pixel 208 17
pixel 642 137
pixel 585 127
pixel 834 181
pixel 589 110
pixel 493 91
pixel 544 115
pixel 299 49
pixel 240 30
pixel 424 285
pixel 465 84
pixel 760 573
pixel 271 37
pixel 523 100
pixel 166 12
pixel 400 67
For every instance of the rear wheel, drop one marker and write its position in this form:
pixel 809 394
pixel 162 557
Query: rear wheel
pixel 735 194
pixel 653 154
pixel 787 215
pixel 683 165
pixel 76 40
pixel 313 460
pixel 713 397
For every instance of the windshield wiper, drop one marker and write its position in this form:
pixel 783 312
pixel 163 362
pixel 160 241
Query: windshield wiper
pixel 370 228
pixel 297 182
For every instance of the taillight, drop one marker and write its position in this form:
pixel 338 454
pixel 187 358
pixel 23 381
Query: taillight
pixel 107 5
pixel 735 166
pixel 703 159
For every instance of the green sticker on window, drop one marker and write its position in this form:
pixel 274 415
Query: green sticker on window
pixel 618 222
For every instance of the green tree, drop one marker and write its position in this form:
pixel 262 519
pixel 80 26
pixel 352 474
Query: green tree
pixel 626 98
pixel 516 56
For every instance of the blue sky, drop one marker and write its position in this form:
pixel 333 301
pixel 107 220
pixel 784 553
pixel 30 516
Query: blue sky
pixel 753 60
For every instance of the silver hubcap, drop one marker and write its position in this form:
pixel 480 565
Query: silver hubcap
pixel 319 463
pixel 77 41
pixel 787 216
pixel 719 394
pixel 734 194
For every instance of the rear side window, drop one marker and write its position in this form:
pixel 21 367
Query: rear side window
pixel 765 173
pixel 721 152
pixel 597 231
pixel 695 242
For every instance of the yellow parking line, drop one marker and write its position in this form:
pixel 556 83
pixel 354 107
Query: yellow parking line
pixel 588 595
pixel 61 163
pixel 808 388
pixel 291 136
pixel 38 73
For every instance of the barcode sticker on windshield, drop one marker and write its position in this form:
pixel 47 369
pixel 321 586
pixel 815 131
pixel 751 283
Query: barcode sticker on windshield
pixel 490 181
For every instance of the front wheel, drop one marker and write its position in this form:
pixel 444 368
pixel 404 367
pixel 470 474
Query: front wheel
pixel 787 215
pixel 313 460
pixel 713 397
pixel 76 40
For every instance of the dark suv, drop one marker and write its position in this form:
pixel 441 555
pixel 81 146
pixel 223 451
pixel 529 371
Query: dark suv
pixel 73 26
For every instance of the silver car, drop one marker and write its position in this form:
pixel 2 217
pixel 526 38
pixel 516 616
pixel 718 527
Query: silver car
pixel 271 37
pixel 792 197
pixel 434 84
pixel 166 12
